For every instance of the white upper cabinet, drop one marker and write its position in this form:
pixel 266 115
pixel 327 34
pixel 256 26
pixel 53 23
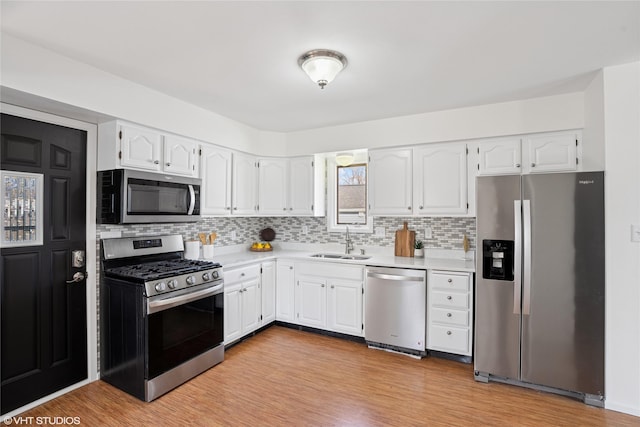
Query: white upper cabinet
pixel 390 182
pixel 180 156
pixel 286 186
pixel 273 186
pixel 440 179
pixel 551 152
pixel 215 194
pixel 301 186
pixel 123 145
pixel 245 183
pixel 500 156
pixel 140 148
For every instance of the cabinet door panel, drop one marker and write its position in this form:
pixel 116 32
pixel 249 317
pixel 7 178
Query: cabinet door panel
pixel 232 313
pixel 499 157
pixel 344 309
pixel 440 179
pixel 180 156
pixel 390 182
pixel 552 152
pixel 244 184
pixel 272 186
pixel 301 191
pixel 215 194
pixel 311 301
pixel 251 306
pixel 285 292
pixel 141 148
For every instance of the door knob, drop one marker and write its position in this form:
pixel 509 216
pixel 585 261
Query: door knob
pixel 78 277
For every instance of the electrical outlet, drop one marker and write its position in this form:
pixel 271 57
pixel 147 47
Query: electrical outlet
pixel 428 233
pixel 305 229
pixel 233 235
pixel 380 231
pixel 635 232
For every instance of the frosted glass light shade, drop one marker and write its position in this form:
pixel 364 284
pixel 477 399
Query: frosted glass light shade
pixel 344 159
pixel 322 66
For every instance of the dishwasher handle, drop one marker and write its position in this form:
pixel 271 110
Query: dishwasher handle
pixel 394 277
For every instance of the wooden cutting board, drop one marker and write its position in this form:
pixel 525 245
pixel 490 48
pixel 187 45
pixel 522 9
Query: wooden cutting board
pixel 405 240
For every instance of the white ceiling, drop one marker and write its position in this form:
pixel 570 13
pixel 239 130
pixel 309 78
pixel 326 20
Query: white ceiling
pixel 239 59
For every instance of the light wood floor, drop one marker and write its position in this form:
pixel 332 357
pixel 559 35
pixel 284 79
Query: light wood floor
pixel 288 377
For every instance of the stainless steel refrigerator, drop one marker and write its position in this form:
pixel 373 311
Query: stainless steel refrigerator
pixel 540 282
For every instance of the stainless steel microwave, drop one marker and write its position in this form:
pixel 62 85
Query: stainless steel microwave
pixel 130 197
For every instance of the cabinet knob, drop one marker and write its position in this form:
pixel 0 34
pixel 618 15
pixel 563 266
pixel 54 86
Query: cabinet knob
pixel 284 209
pixel 322 285
pixel 517 165
pixel 533 165
pixel 449 280
pixel 241 274
pixel 291 268
pixel 156 162
pixel 409 208
pixel 421 207
pixel 168 164
pixel 448 332
pixel 449 297
pixel 228 208
pixel 448 314
pixel 332 286
pixel 290 209
pixel 235 208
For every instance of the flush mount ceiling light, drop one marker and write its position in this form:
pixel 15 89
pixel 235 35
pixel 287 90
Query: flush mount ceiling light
pixel 344 159
pixel 322 65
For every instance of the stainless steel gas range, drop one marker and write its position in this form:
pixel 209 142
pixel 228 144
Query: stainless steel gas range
pixel 161 315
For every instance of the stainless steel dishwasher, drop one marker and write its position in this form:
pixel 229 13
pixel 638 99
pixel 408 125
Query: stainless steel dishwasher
pixel 395 308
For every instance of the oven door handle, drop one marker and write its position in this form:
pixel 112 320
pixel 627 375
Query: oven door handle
pixel 164 304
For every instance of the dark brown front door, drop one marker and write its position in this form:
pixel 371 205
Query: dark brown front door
pixel 43 320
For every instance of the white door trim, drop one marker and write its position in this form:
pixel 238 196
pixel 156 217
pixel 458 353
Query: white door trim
pixel 92 326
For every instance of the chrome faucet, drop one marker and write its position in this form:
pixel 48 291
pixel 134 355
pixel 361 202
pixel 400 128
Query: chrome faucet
pixel 348 243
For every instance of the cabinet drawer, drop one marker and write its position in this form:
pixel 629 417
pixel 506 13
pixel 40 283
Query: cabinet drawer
pixel 450 281
pixel 450 317
pixel 241 274
pixel 449 300
pixel 449 339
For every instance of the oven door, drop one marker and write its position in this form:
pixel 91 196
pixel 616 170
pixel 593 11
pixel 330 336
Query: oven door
pixel 183 326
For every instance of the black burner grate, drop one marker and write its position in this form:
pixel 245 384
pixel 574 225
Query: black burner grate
pixel 159 269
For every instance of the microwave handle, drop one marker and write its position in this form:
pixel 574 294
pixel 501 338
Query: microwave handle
pixel 192 200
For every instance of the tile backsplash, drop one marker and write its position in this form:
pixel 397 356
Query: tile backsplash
pixel 447 232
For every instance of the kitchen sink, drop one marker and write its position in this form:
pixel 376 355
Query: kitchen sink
pixel 340 256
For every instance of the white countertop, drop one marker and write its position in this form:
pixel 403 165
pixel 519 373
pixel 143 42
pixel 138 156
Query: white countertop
pixel 236 256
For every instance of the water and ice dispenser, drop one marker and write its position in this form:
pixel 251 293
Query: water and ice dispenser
pixel 497 259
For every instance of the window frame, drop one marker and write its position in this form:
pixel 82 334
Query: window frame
pixel 332 202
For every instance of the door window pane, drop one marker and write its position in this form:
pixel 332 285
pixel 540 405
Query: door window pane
pixel 21 195
pixel 352 194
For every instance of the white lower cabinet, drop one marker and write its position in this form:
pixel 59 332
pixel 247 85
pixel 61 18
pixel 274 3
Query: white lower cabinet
pixel 285 291
pixel 249 299
pixel 450 312
pixel 329 296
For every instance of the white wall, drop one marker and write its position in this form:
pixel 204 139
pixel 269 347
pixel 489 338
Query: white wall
pixel 622 192
pixel 32 70
pixel 507 118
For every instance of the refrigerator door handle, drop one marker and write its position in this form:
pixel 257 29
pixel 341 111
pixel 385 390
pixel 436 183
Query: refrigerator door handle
pixel 517 262
pixel 526 248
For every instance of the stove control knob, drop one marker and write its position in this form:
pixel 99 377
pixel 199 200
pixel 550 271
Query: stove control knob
pixel 215 274
pixel 206 277
pixel 161 286
pixel 191 280
pixel 172 283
